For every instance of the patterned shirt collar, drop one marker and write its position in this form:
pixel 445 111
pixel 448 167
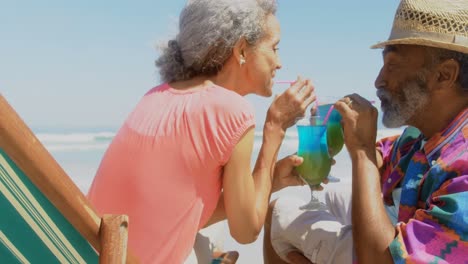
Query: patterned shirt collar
pixel 436 142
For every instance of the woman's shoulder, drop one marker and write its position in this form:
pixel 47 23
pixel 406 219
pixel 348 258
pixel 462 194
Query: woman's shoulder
pixel 209 99
pixel 158 88
pixel 226 100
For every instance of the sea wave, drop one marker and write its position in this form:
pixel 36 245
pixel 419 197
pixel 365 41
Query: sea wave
pixel 100 140
pixel 290 134
pixel 76 141
pixel 75 137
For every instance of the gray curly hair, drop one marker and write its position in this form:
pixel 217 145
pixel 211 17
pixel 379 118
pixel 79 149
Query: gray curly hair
pixel 208 31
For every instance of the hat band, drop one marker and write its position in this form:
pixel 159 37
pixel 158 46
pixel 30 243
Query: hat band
pixel 439 37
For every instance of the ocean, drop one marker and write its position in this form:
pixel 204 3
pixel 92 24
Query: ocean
pixel 79 153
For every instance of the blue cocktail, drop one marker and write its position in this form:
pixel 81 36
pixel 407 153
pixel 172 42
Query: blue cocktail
pixel 313 148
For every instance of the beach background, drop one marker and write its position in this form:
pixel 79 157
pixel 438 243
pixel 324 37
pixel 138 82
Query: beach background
pixel 74 70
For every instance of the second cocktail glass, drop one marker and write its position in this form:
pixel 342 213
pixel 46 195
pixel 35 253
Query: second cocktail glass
pixel 313 148
pixel 334 129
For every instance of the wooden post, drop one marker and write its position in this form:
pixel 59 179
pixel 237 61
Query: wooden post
pixel 114 236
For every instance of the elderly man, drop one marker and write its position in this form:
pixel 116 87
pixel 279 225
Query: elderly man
pixel 422 174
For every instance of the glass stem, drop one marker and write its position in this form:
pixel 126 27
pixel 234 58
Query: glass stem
pixel 313 197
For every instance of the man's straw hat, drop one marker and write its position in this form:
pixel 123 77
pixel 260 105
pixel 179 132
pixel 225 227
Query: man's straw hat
pixel 434 23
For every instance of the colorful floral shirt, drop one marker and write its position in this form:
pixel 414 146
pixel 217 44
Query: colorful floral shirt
pixel 433 174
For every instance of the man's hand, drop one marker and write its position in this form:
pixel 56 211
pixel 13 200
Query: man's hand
pixel 359 123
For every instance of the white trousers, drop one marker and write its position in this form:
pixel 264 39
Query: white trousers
pixel 208 240
pixel 322 236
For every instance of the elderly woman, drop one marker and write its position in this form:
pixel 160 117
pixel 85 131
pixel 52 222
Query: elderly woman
pixel 188 143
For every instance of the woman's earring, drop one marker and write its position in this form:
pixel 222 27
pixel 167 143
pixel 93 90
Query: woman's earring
pixel 241 61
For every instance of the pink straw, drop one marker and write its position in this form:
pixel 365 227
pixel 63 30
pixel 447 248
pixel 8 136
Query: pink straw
pixel 284 82
pixel 325 120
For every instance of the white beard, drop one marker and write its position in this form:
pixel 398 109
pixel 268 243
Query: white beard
pixel 398 111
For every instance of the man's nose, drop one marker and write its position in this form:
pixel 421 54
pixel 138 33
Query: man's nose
pixel 379 81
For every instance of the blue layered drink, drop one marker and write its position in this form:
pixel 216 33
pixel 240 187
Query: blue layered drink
pixel 314 150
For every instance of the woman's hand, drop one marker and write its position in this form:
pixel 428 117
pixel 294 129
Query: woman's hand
pixel 286 175
pixel 291 104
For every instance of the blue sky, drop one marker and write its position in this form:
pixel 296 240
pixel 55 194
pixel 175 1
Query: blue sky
pixel 84 64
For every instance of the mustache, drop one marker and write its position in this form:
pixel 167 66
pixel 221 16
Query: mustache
pixel 383 94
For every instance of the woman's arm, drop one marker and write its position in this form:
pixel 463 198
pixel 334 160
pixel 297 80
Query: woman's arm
pixel 219 213
pixel 245 198
pixel 246 195
pixel 284 175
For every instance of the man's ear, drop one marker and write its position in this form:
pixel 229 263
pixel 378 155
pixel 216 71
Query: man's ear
pixel 448 72
pixel 239 50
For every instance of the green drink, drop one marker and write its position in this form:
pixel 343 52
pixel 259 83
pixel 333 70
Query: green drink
pixel 335 137
pixel 334 130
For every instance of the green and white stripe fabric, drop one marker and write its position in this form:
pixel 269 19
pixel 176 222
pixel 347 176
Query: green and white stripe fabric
pixel 32 230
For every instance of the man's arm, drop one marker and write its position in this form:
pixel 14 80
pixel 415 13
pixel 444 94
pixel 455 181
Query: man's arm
pixel 372 229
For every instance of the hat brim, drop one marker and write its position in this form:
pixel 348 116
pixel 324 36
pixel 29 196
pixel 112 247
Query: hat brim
pixel 421 42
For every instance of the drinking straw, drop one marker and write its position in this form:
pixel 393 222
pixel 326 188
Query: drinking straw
pixel 284 82
pixel 325 120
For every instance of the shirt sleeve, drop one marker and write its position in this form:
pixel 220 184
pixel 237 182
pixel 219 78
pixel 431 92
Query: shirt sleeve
pixel 438 231
pixel 385 147
pixel 391 149
pixel 233 118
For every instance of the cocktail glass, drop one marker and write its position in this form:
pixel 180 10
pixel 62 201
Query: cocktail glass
pixel 335 136
pixel 313 148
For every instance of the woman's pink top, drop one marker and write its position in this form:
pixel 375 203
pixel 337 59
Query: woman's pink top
pixel 163 168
